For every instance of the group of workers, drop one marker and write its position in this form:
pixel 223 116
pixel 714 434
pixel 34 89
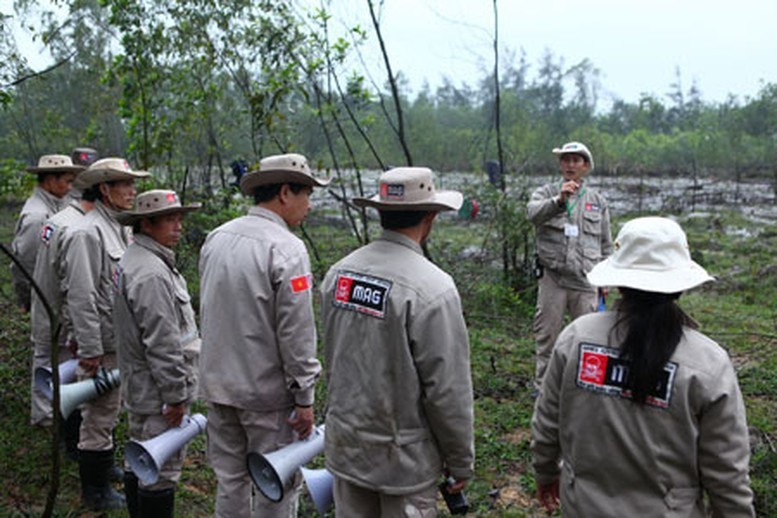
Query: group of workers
pixel 636 412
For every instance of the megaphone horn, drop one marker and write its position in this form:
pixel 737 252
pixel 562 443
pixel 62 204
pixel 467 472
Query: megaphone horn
pixel 319 482
pixel 73 394
pixel 146 458
pixel 271 471
pixel 43 375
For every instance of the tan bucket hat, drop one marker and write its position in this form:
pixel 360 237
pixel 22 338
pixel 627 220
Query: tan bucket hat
pixel 410 188
pixel 288 168
pixel 650 254
pixel 55 164
pixel 107 170
pixel 156 202
pixel 576 148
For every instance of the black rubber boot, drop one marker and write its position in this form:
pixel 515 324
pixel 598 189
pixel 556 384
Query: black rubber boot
pixel 156 504
pixel 131 493
pixel 70 433
pixel 96 491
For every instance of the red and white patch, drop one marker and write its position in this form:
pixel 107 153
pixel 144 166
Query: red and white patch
pixel 301 283
pixel 362 293
pixel 600 369
pixel 592 207
pixel 46 232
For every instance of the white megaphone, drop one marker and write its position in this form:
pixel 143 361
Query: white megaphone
pixel 73 394
pixel 43 375
pixel 272 471
pixel 147 457
pixel 319 482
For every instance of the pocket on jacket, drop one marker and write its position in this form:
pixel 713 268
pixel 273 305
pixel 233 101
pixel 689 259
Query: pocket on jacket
pixel 682 498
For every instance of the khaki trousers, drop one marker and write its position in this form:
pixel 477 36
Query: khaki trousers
pixel 144 427
pixel 553 302
pixel 352 501
pixel 99 415
pixel 232 434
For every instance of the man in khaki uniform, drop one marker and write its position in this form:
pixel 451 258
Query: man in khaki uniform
pixel 55 178
pixel 573 234
pixel 91 250
pixel 400 404
pixel 157 341
pixel 258 361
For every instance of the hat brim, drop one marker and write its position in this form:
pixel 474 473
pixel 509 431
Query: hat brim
pixel 129 217
pixel 59 169
pixel 254 179
pixel 665 281
pixel 442 201
pixel 92 177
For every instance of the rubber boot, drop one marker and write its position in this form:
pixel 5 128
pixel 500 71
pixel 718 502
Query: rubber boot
pixel 156 504
pixel 131 493
pixel 70 433
pixel 96 491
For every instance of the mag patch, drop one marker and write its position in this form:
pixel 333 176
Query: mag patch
pixel 600 369
pixel 47 232
pixel 362 293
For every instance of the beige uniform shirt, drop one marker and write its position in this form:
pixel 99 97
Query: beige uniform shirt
pixel 91 250
pixel 158 344
pixel 258 329
pixel 623 459
pixel 49 275
pixel 573 238
pixel 400 403
pixel 26 242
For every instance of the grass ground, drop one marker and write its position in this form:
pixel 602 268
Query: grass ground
pixel 739 311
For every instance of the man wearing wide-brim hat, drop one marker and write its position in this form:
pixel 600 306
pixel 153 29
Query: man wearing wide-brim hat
pixel 258 361
pixel 396 350
pixel 157 340
pixel 572 222
pixel 55 178
pixel 91 250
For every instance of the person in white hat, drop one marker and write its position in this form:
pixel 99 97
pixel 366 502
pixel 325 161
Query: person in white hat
pixel 572 223
pixel 157 341
pixel 640 414
pixel 55 179
pixel 396 351
pixel 258 362
pixel 91 249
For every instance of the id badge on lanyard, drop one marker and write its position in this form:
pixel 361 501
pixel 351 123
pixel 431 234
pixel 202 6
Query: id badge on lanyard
pixel 571 230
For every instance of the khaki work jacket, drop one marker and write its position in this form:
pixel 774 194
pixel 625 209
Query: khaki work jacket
pixel 258 329
pixel 565 256
pixel 158 344
pixel 91 250
pixel 400 403
pixel 26 241
pixel 623 459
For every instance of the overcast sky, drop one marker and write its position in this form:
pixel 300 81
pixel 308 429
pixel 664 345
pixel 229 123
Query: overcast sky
pixel 727 47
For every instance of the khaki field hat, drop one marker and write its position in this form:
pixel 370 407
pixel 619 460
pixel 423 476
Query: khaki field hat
pixel 650 254
pixel 107 170
pixel 55 164
pixel 289 168
pixel 157 202
pixel 410 188
pixel 576 148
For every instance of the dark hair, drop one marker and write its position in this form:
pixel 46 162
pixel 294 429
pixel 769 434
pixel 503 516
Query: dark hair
pixel 56 174
pixel 265 193
pixel 654 326
pixel 91 193
pixel 399 219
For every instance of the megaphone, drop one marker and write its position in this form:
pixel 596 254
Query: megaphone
pixel 73 394
pixel 146 458
pixel 319 482
pixel 43 375
pixel 272 471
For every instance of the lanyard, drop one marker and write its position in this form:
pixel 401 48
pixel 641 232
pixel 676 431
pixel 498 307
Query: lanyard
pixel 571 206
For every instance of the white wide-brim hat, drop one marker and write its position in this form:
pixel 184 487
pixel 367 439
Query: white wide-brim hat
pixel 577 148
pixel 156 202
pixel 55 164
pixel 650 254
pixel 410 188
pixel 107 170
pixel 275 169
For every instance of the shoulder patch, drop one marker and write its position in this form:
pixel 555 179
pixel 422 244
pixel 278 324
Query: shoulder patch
pixel 46 232
pixel 592 207
pixel 301 283
pixel 361 293
pixel 600 369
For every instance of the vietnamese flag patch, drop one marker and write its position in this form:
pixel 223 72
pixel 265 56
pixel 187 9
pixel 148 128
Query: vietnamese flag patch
pixel 301 283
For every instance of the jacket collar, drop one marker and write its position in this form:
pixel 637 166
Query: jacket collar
pixel 267 214
pixel 166 254
pixel 401 239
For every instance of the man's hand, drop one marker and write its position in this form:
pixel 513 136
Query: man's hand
pixel 90 365
pixel 174 413
pixel 457 486
pixel 568 189
pixel 547 494
pixel 302 421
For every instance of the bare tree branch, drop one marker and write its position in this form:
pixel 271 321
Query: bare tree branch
pixel 41 73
